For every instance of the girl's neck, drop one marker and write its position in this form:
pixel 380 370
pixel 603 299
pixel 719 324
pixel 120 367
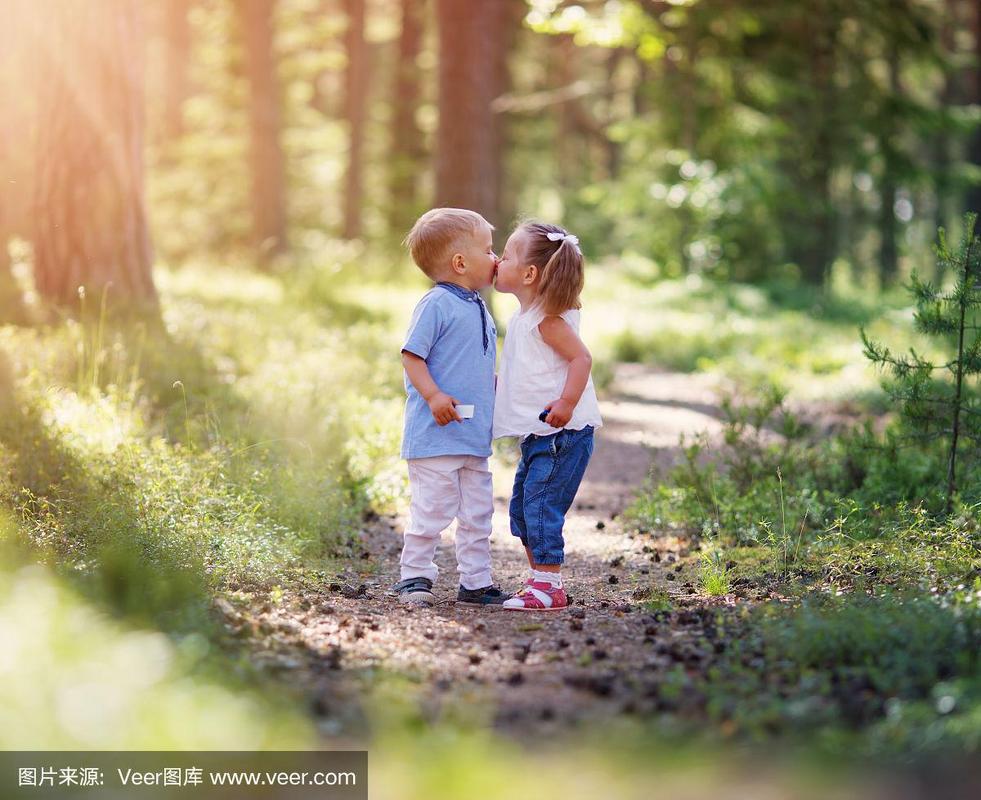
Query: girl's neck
pixel 527 297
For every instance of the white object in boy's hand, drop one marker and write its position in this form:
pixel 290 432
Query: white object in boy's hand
pixel 465 411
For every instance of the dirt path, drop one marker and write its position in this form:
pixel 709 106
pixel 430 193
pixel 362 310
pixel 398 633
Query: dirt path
pixel 606 655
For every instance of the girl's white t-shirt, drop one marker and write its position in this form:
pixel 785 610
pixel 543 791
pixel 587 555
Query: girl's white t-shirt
pixel 532 375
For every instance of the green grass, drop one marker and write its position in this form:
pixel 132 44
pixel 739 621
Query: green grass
pixel 238 435
pixel 714 575
pixel 801 339
pixel 147 465
pixel 654 599
pixel 897 674
pixel 873 649
pixel 74 676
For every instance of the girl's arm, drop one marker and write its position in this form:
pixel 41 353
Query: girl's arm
pixel 441 404
pixel 562 338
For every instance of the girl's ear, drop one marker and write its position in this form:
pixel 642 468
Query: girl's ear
pixel 530 276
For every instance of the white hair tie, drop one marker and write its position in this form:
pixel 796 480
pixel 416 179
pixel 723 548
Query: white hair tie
pixel 556 236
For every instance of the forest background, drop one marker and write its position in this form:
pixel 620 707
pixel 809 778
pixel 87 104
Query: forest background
pixel 202 285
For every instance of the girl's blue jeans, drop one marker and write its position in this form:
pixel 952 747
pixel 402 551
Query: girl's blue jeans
pixel 548 477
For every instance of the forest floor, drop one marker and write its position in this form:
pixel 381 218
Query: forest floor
pixel 636 613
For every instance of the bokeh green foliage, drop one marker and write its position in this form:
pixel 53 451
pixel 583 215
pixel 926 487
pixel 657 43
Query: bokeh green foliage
pixel 779 333
pixel 901 668
pixel 797 122
pixel 147 465
pixel 759 141
pixel 74 678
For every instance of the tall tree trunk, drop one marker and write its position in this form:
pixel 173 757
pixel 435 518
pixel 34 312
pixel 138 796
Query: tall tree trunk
pixel 583 151
pixel 949 97
pixel 406 145
pixel 613 146
pixel 689 81
pixel 467 139
pixel 468 148
pixel 355 107
pixel 888 254
pixel 90 220
pixel 572 163
pixel 505 200
pixel 815 250
pixel 10 306
pixel 8 38
pixel 13 148
pixel 177 44
pixel 641 104
pixel 973 197
pixel 265 113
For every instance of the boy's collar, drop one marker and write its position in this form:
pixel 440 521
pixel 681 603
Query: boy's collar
pixel 457 289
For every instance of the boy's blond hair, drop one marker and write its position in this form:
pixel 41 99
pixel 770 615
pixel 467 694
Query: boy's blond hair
pixel 436 232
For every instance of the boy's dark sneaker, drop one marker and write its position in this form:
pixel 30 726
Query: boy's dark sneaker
pixel 487 596
pixel 415 591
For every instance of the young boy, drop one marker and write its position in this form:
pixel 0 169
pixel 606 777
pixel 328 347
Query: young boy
pixel 449 356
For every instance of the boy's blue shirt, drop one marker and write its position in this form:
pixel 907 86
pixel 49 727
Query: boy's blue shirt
pixel 445 331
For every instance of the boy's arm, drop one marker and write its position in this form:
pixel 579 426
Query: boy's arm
pixel 563 339
pixel 441 404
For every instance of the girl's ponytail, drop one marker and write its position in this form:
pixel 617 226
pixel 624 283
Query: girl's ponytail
pixel 557 255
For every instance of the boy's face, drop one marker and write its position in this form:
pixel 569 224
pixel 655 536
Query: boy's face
pixel 510 268
pixel 478 259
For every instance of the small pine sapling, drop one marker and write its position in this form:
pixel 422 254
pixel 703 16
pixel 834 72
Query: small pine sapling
pixel 939 399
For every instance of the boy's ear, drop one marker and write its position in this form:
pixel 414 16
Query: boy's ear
pixel 457 263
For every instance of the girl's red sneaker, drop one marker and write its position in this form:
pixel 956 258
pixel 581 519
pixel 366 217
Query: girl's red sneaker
pixel 538 596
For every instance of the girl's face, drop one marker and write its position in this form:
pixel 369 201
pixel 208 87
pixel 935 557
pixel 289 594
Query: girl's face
pixel 511 266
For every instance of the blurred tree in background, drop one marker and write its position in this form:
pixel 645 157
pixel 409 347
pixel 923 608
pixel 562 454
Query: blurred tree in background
pixel 11 154
pixel 176 37
pixel 89 219
pixel 407 145
pixel 265 115
pixel 972 79
pixel 472 73
pixel 770 133
pixel 356 85
pixel 754 141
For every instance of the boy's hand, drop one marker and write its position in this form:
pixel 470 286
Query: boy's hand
pixel 559 413
pixel 444 409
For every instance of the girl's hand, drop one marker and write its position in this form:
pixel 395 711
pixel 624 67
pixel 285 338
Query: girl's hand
pixel 444 409
pixel 559 413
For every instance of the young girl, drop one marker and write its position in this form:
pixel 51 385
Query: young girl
pixel 545 396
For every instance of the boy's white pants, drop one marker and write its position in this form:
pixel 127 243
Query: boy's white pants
pixel 444 487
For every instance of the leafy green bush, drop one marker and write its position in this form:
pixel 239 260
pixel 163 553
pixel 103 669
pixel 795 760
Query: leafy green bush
pixel 774 479
pixel 732 496
pixel 155 463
